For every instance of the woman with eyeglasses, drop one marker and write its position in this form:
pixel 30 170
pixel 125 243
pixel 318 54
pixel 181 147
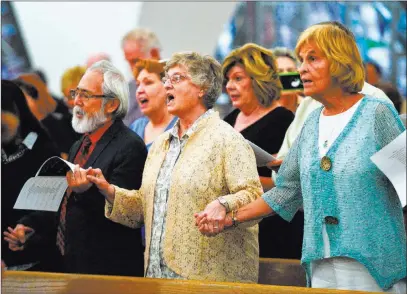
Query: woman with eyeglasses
pixel 152 99
pixel 202 163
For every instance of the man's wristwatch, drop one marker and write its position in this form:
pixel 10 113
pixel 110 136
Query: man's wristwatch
pixel 224 203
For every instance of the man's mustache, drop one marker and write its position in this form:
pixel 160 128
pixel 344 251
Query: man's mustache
pixel 78 110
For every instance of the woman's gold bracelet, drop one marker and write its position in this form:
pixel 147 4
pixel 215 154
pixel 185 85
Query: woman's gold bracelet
pixel 234 218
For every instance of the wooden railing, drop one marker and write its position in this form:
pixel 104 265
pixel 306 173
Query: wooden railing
pixel 21 282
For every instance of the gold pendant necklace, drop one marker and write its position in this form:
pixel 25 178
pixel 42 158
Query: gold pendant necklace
pixel 326 162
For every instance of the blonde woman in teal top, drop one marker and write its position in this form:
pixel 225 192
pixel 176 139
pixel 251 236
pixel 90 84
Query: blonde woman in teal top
pixel 354 236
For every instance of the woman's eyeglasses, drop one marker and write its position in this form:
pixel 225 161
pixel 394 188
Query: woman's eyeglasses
pixel 174 79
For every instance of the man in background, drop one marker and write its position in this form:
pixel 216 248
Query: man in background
pixel 373 73
pixel 137 44
pixel 287 62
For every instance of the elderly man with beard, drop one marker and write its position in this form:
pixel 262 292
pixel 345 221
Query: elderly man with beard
pixel 87 241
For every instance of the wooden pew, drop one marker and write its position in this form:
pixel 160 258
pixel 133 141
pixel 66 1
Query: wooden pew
pixel 283 272
pixel 21 282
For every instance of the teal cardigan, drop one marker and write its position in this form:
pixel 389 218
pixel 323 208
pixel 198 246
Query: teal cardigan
pixel 368 220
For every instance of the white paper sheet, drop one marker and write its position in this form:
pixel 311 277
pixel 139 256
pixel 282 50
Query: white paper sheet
pixel 262 156
pixel 46 190
pixel 42 193
pixel 55 166
pixel 391 160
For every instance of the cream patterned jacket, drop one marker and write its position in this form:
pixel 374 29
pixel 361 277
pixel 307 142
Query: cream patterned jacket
pixel 216 161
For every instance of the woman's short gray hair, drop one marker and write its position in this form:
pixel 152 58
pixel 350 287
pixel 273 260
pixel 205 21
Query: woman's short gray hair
pixel 114 84
pixel 205 72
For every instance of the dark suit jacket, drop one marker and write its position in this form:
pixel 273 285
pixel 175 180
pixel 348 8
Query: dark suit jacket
pixel 94 244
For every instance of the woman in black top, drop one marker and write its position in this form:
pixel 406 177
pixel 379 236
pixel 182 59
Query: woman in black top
pixel 25 145
pixel 252 83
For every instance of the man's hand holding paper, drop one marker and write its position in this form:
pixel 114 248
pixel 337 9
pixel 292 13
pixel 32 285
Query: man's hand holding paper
pixel 77 179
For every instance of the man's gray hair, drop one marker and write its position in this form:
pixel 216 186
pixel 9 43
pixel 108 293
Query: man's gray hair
pixel 285 52
pixel 113 84
pixel 147 39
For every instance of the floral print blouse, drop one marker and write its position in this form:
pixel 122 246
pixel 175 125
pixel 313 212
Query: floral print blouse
pixel 157 267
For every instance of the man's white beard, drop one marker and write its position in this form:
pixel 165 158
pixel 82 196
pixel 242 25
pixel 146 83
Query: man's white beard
pixel 87 124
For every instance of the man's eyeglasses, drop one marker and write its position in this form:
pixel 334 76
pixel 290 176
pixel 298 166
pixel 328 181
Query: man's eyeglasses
pixel 86 95
pixel 174 79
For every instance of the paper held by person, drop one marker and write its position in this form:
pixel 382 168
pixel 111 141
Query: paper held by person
pixel 391 160
pixel 262 156
pixel 46 190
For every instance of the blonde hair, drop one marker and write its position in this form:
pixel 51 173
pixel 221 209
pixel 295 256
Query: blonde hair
pixel 260 64
pixel 339 46
pixel 205 72
pixel 144 37
pixel 150 65
pixel 72 76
